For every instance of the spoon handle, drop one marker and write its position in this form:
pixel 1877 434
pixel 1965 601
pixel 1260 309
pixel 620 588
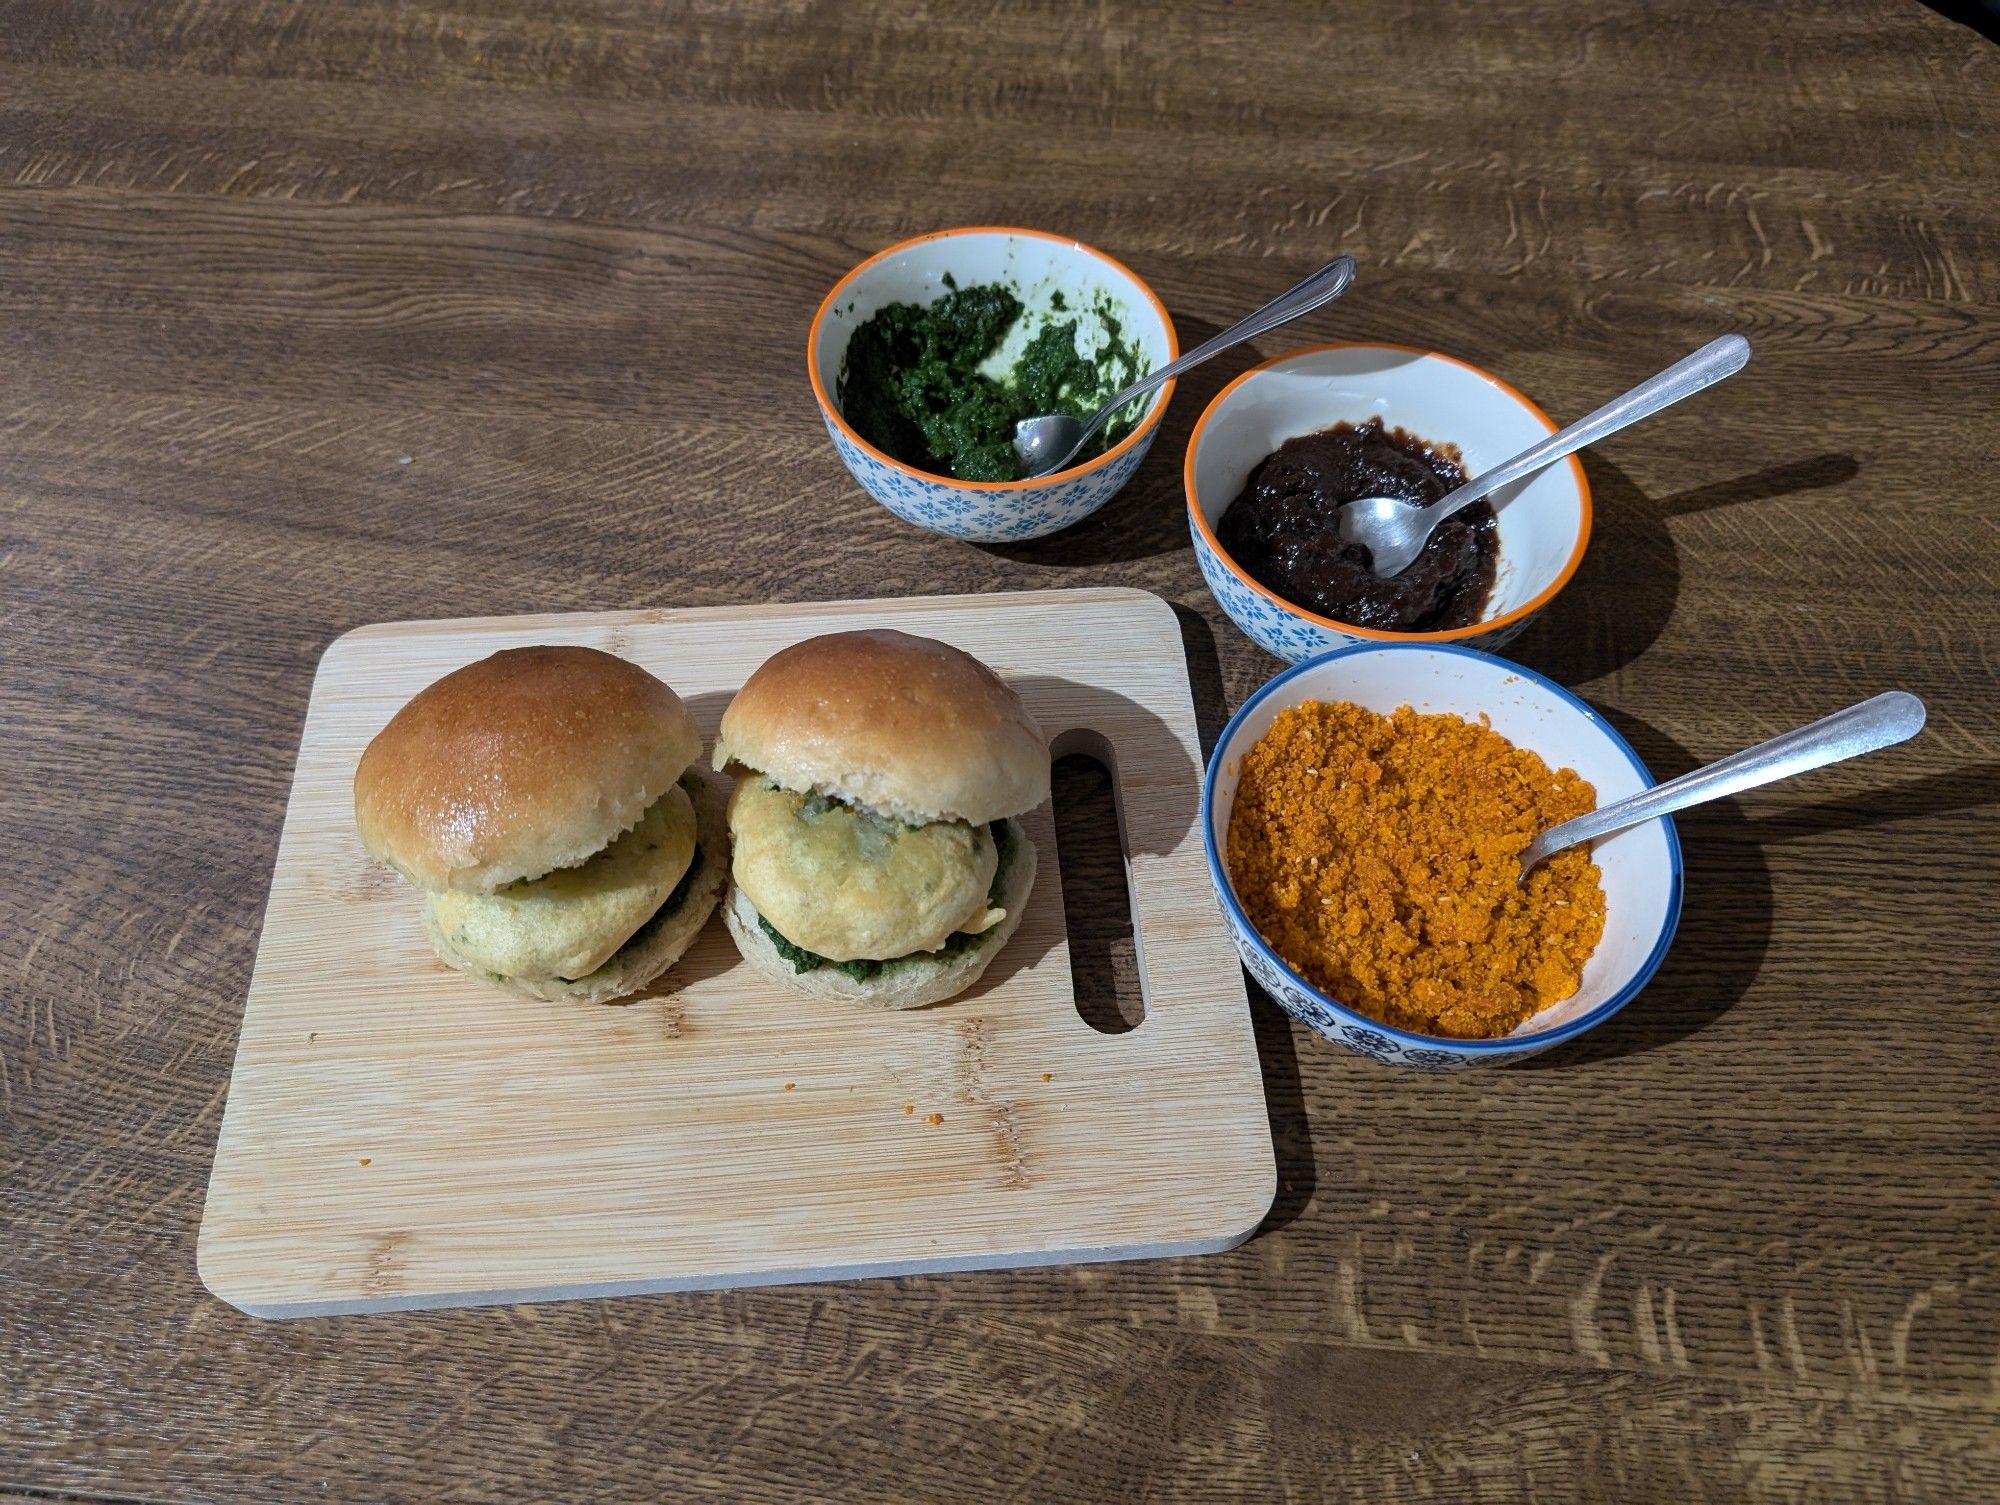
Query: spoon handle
pixel 1889 718
pixel 1315 291
pixel 1321 288
pixel 1685 377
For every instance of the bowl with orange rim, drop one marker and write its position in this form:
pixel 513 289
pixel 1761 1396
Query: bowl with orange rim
pixel 1054 277
pixel 1543 523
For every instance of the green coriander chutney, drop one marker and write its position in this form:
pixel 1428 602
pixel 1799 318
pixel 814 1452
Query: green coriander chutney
pixel 911 383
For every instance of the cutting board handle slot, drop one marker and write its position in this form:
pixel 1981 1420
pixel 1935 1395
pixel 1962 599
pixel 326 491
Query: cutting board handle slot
pixel 1098 909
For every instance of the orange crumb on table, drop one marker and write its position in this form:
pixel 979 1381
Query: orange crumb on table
pixel 934 1118
pixel 364 1160
pixel 1048 1076
pixel 790 1085
pixel 1379 856
pixel 909 1107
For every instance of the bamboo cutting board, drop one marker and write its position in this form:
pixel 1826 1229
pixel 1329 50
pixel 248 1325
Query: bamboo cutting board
pixel 398 1136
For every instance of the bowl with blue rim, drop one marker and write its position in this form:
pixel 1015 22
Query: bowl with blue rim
pixel 1639 868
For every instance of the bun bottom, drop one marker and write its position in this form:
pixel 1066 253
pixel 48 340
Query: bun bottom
pixel 634 965
pixel 910 984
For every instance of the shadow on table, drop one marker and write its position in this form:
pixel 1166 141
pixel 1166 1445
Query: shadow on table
pixel 1277 1052
pixel 1624 592
pixel 1149 516
pixel 1975 787
pixel 1204 665
pixel 1285 1101
pixel 1725 926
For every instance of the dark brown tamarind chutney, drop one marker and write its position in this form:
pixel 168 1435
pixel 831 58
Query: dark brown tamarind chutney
pixel 1281 529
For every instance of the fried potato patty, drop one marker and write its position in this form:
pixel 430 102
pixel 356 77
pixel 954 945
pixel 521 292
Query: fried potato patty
pixel 850 884
pixel 569 922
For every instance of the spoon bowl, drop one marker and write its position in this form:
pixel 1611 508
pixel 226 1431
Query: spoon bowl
pixel 1394 530
pixel 1047 444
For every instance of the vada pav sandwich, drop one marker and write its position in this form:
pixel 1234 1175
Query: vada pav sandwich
pixel 876 858
pixel 546 802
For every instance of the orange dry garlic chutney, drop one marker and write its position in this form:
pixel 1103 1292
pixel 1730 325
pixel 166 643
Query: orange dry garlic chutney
pixel 1379 856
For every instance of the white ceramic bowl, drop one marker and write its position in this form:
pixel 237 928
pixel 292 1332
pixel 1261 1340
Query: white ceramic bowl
pixel 1641 867
pixel 1037 266
pixel 1544 522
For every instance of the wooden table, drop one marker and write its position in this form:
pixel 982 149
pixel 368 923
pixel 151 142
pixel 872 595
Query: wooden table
pixel 317 315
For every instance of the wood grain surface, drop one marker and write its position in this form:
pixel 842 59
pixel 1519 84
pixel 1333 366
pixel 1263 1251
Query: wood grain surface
pixel 314 315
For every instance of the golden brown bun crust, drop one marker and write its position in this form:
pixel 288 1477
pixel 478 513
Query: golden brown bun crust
pixel 902 724
pixel 524 762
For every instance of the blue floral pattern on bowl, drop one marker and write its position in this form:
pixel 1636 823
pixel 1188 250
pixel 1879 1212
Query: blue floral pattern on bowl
pixel 988 514
pixel 1287 633
pixel 1306 1006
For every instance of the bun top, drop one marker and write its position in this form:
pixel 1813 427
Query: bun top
pixel 902 724
pixel 530 760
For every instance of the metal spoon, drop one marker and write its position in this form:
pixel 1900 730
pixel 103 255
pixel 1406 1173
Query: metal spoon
pixel 1048 444
pixel 1395 530
pixel 1887 719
